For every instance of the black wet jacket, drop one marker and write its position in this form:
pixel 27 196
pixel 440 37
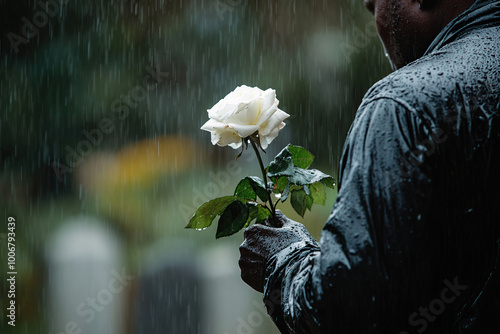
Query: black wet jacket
pixel 410 245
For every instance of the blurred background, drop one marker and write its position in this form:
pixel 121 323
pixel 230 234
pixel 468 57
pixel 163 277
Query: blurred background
pixel 102 162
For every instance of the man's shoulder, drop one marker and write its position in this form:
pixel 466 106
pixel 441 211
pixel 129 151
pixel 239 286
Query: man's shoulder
pixel 468 60
pixel 416 87
pixel 467 68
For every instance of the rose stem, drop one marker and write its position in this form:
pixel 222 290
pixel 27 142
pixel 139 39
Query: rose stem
pixel 264 175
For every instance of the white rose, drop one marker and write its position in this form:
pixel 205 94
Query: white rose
pixel 243 112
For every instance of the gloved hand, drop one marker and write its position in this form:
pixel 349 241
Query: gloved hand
pixel 263 241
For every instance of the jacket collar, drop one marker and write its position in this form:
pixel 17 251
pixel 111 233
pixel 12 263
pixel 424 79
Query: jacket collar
pixel 482 14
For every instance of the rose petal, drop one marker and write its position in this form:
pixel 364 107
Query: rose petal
pixel 223 138
pixel 275 120
pixel 267 113
pixel 243 130
pixel 222 111
pixel 229 138
pixel 269 99
pixel 235 145
pixel 241 113
pixel 246 113
pixel 266 140
pixel 212 125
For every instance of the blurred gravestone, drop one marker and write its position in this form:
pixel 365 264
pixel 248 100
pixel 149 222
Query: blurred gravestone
pixel 232 307
pixel 178 294
pixel 168 299
pixel 87 282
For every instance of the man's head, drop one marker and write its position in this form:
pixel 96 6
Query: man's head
pixel 408 27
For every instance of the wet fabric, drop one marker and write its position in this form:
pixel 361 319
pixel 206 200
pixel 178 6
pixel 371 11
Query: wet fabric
pixel 410 244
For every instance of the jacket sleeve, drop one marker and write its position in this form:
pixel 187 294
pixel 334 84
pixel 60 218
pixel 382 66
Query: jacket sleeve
pixel 365 252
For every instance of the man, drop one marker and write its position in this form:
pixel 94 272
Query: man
pixel 410 245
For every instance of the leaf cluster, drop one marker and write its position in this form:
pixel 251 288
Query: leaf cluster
pixel 290 177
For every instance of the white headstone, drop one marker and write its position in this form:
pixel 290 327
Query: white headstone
pixel 87 282
pixel 231 306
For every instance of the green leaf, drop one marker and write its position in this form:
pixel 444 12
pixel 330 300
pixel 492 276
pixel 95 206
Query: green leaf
pixel 252 213
pixel 262 214
pixel 206 213
pixel 282 165
pixel 309 202
pixel 329 182
pixel 282 183
pixel 302 158
pixel 259 187
pixel 303 177
pixel 318 193
pixel 258 213
pixel 250 187
pixel 245 190
pixel 233 219
pixel 298 201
